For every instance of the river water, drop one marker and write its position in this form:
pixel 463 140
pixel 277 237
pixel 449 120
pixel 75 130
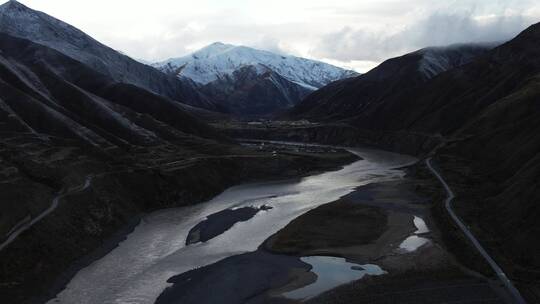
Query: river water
pixel 331 272
pixel 138 269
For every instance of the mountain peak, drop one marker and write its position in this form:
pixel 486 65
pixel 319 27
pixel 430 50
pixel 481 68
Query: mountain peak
pixel 435 60
pixel 13 5
pixel 213 49
pixel 217 44
pixel 219 59
pixel 18 20
pixel 532 33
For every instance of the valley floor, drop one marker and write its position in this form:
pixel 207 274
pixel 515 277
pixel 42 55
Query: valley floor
pixel 396 226
pixel 378 224
pixel 428 274
pixel 488 199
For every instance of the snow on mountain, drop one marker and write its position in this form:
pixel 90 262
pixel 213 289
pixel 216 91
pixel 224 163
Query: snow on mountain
pixel 219 59
pixel 23 22
pixel 436 60
pixel 20 21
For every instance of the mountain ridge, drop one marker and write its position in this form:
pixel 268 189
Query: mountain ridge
pixel 217 59
pixel 277 82
pixel 18 20
pixel 391 80
pixel 71 100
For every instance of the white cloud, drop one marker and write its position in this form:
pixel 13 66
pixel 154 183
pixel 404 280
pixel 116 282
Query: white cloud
pixel 349 33
pixel 437 29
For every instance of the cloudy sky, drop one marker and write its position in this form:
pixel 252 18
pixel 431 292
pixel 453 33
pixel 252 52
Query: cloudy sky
pixel 351 33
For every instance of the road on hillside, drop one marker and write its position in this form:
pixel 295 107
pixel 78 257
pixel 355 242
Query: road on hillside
pixel 23 226
pixel 500 273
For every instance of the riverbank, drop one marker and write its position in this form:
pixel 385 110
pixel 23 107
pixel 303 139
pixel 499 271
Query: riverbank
pixel 335 133
pixel 425 274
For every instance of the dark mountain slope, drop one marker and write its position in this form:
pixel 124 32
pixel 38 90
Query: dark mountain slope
pixel 254 90
pixel 495 166
pixel 20 21
pixel 89 104
pixel 392 80
pixel 460 95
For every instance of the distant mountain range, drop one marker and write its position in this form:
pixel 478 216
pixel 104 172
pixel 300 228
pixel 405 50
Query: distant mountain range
pixel 184 77
pixel 276 82
pixel 218 60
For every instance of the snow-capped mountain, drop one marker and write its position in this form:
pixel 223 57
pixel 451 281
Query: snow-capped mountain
pixel 218 59
pixel 20 21
pixel 247 81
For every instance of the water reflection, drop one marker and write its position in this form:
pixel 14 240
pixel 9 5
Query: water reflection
pixel 414 242
pixel 421 226
pixel 331 272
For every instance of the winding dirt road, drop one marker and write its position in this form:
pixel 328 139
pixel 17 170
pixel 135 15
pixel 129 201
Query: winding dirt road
pixel 22 227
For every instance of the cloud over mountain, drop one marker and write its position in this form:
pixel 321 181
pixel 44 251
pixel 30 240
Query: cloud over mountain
pixel 435 30
pixel 348 33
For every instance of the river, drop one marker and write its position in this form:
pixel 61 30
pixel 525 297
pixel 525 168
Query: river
pixel 137 270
